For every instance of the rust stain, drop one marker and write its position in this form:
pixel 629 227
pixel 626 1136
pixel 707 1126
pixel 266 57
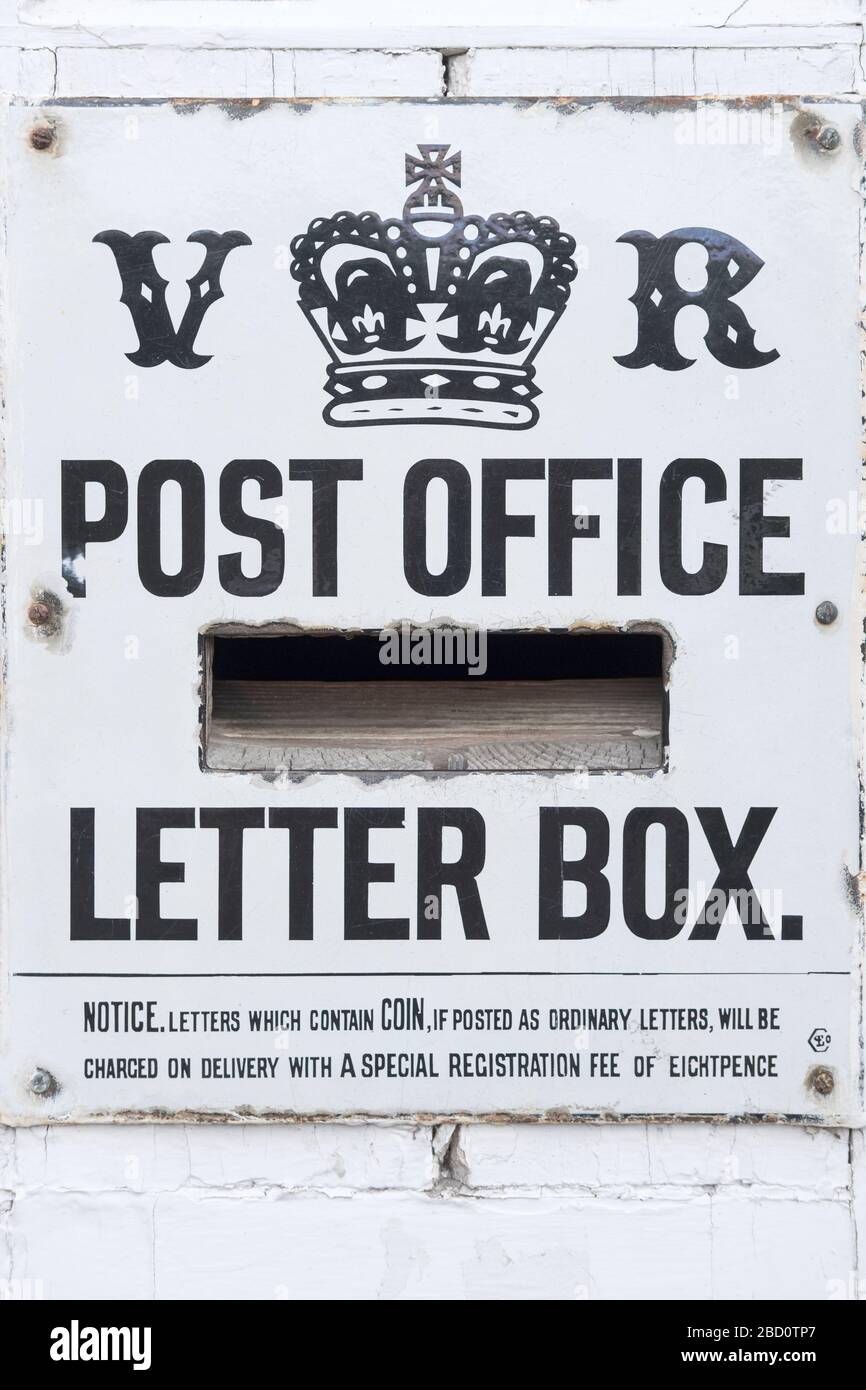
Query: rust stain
pixel 855 887
pixel 821 1080
pixel 46 137
pixel 247 1115
pixel 237 109
pixel 46 618
pixel 808 132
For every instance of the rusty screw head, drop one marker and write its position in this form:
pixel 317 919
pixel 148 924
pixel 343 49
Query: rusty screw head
pixel 828 138
pixel 42 136
pixel 39 614
pixel 42 1083
pixel 826 613
pixel 822 1081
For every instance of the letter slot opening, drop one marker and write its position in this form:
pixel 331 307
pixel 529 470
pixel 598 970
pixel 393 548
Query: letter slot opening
pixel 433 699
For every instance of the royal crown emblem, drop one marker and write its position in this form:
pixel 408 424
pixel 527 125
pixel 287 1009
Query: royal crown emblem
pixel 435 316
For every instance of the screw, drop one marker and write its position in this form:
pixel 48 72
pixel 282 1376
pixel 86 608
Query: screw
pixel 826 613
pixel 42 1083
pixel 39 614
pixel 828 138
pixel 822 1081
pixel 42 137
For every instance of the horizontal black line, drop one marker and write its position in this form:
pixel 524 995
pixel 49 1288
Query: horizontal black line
pixel 390 974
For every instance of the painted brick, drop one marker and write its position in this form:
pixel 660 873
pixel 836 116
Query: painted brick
pixel 407 1246
pixel 673 72
pixel 6 1289
pixel 161 1158
pixel 163 72
pixel 101 1158
pixel 27 72
pixel 856 1285
pixel 332 73
pixel 386 24
pixel 815 1161
pixel 555 1155
pixel 7 1146
pixel 641 72
pixel 779 1249
pixel 322 1156
pixel 84 1247
pixel 754 71
pixel 539 72
pixel 775 1155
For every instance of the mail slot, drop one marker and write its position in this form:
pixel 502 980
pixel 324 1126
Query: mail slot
pixel 440 699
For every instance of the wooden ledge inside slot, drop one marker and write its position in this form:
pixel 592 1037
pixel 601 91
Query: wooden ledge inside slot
pixel 455 725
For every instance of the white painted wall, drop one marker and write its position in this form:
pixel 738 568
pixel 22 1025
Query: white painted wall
pixel 581 1211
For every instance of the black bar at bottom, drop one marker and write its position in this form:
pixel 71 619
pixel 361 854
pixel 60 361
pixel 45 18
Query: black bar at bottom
pixel 246 1338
